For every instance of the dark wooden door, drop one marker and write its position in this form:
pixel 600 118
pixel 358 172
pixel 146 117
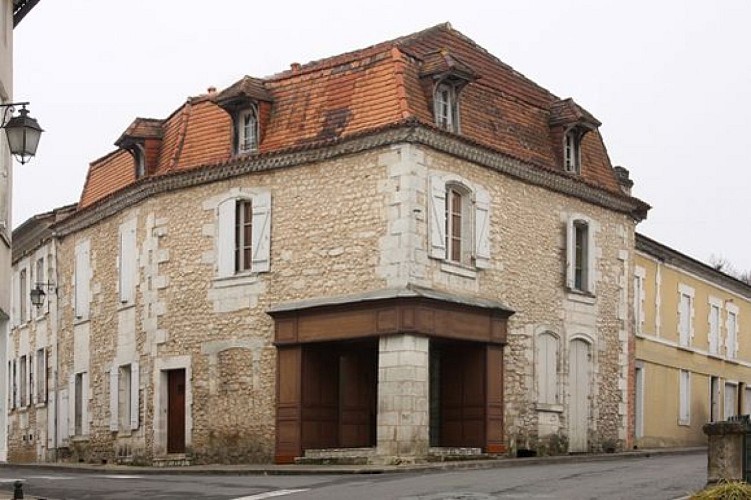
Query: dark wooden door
pixel 176 411
pixel 463 396
pixel 357 397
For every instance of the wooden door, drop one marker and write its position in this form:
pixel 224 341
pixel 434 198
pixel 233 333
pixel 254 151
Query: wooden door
pixel 176 411
pixel 357 397
pixel 579 396
pixel 463 396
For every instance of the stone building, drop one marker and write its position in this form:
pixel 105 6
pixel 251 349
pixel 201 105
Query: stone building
pixel 392 252
pixel 693 353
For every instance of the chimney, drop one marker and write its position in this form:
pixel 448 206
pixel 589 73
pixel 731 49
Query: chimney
pixel 211 90
pixel 624 181
pixel 295 67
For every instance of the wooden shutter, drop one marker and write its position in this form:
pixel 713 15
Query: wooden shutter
pixel 72 405
pixel 225 244
pixel 570 254
pixel 82 281
pixel 127 263
pixel 134 385
pixel 15 301
pixel 32 383
pixel 482 229
pixel 51 421
pixel 437 216
pixel 114 390
pixel 261 233
pixel 85 403
pixel 64 416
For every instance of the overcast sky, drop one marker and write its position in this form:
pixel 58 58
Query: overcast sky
pixel 669 80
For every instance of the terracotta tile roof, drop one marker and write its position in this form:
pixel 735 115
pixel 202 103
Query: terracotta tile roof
pixel 368 89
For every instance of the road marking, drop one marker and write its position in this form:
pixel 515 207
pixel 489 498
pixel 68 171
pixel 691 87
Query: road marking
pixel 271 494
pixel 120 476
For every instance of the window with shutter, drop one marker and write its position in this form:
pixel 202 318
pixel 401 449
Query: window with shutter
pixel 684 413
pixel 547 369
pixel 128 262
pixel 82 278
pixel 244 235
pixel 580 255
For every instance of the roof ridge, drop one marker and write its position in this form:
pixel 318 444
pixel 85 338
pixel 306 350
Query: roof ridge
pixel 339 59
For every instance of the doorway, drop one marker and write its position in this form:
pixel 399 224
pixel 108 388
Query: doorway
pixel 579 384
pixel 176 411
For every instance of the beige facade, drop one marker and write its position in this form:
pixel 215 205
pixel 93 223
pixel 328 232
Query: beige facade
pixel 371 233
pixel 693 356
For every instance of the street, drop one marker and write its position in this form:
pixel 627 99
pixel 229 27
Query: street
pixel 657 477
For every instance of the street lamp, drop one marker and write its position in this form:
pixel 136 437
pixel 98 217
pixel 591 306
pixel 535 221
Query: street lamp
pixel 23 132
pixel 38 294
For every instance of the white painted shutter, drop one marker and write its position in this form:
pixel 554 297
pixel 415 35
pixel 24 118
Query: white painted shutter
pixel 43 380
pixel 127 264
pixel 570 250
pixel 64 416
pixel 32 378
pixel 15 301
pixel 134 384
pixel 482 229
pixel 17 382
pixel 72 405
pixel 51 409
pixel 261 245
pixel 225 245
pixel 82 282
pixel 437 217
pixel 542 369
pixel 85 404
pixel 113 397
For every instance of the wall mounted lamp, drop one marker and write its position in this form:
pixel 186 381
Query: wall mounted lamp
pixel 38 293
pixel 23 132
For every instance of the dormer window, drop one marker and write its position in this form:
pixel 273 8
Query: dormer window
pixel 446 108
pixel 140 161
pixel 246 130
pixel 572 151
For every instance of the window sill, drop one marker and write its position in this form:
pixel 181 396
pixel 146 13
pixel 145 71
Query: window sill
pixel 551 407
pixel 458 269
pixel 80 321
pixel 236 280
pixel 40 405
pixel 715 355
pixel 735 361
pixel 122 306
pixel 79 439
pixel 581 296
pixel 686 348
pixel 684 423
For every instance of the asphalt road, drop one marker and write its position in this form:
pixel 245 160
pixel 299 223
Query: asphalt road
pixel 657 477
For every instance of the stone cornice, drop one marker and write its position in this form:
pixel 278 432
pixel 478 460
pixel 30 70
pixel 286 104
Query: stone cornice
pixel 406 132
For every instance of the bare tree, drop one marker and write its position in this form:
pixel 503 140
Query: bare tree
pixel 723 265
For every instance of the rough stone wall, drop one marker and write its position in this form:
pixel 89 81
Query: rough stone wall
pixel 527 272
pixel 344 226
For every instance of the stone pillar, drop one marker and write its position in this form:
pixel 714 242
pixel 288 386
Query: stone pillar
pixel 725 451
pixel 403 418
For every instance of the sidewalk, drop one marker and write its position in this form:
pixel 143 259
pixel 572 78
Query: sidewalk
pixel 271 469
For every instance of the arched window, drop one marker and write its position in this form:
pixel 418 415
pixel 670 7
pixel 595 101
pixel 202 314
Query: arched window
pixel 547 369
pixel 246 131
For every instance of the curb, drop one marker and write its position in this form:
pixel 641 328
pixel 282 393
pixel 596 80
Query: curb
pixel 269 470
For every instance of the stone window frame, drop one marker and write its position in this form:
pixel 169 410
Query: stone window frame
pixel 685 333
pixel 124 422
pixel 732 339
pixel 587 281
pixel 714 326
pixel 226 233
pixel 476 220
pixel 78 411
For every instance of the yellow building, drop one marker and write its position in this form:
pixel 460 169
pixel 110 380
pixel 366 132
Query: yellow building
pixel 693 346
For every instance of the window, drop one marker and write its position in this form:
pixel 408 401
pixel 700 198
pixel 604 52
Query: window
pixel 128 262
pixel 246 131
pixel 39 271
pixel 731 344
pixel 82 280
pixel 730 408
pixel 22 294
pixel 714 326
pixel 124 403
pixel 746 400
pixel 685 315
pixel 24 381
pixel 41 375
pixel 572 151
pixel 639 274
pixel 445 107
pixel 459 222
pixel 244 234
pixel 14 400
pixel 580 265
pixel 684 407
pixel 139 157
pixel 547 369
